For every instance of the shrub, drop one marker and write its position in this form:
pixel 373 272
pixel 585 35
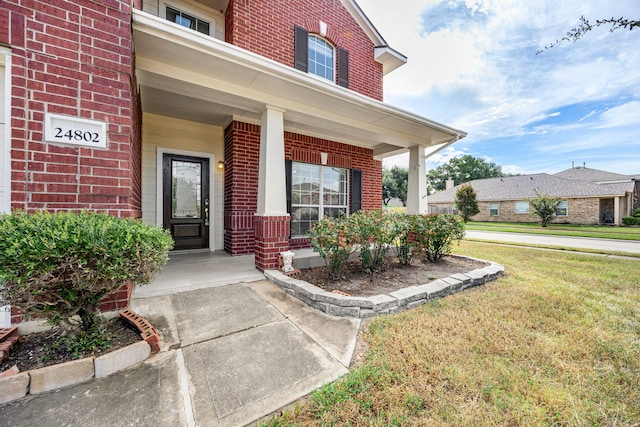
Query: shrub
pixel 467 202
pixel 544 207
pixel 410 235
pixel 375 235
pixel 436 233
pixel 57 266
pixel 636 213
pixel 403 243
pixel 334 240
pixel 630 220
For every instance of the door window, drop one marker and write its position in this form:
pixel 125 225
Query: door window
pixel 186 189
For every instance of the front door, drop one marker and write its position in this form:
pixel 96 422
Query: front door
pixel 186 200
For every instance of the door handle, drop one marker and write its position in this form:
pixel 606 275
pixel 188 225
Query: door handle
pixel 206 214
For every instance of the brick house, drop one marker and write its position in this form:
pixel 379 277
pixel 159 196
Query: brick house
pixel 203 116
pixel 590 196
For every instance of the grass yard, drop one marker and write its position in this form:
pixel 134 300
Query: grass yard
pixel 554 342
pixel 596 231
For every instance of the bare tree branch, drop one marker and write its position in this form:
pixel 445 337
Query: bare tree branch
pixel 585 26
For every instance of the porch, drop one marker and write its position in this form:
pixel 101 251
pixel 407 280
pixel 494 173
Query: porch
pixel 195 270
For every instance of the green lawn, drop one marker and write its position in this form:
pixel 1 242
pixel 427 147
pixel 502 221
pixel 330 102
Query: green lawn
pixel 596 231
pixel 554 342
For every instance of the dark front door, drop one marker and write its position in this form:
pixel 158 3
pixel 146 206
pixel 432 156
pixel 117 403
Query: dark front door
pixel 186 200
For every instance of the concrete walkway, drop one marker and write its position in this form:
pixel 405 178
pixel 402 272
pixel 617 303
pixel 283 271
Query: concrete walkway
pixel 630 246
pixel 231 355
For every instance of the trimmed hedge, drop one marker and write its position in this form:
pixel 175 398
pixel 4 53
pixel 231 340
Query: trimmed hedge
pixel 59 265
pixel 429 237
pixel 631 220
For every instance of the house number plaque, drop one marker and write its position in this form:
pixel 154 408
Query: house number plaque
pixel 75 131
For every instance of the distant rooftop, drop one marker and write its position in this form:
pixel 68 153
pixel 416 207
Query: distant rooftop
pixel 582 173
pixel 525 187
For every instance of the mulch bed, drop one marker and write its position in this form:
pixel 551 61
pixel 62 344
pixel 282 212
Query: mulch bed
pixel 30 352
pixel 390 277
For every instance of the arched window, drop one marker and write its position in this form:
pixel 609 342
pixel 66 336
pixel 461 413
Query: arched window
pixel 321 57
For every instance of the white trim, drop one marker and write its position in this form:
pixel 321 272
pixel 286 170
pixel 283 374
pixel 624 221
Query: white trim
pixel 5 141
pixel 160 152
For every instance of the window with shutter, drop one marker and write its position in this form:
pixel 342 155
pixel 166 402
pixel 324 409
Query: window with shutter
pixel 315 192
pixel 301 49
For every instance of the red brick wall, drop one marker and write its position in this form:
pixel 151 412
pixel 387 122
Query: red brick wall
pixel 242 145
pixel 241 154
pixel 266 27
pixel 72 57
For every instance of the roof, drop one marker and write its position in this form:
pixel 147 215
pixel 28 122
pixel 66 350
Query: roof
pixel 525 186
pixel 591 175
pixel 191 76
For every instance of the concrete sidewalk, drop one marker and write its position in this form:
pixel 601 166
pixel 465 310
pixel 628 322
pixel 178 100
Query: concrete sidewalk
pixel 230 355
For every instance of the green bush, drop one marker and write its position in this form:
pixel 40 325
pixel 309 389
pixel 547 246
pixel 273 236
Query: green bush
pixel 436 233
pixel 430 236
pixel 636 213
pixel 335 241
pixel 375 235
pixel 630 220
pixel 57 266
pixel 404 243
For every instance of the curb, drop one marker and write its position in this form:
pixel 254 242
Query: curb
pixel 402 299
pixel 16 385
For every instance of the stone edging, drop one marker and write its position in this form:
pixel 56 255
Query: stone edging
pixel 16 385
pixel 53 377
pixel 402 299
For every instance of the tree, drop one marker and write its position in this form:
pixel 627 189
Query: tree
pixel 585 26
pixel 544 207
pixel 467 202
pixel 394 184
pixel 461 169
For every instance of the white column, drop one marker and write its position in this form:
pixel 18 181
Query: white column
pixel 417 184
pixel 616 210
pixel 272 197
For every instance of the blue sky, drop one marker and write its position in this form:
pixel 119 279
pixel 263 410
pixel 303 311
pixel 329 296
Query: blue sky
pixel 473 65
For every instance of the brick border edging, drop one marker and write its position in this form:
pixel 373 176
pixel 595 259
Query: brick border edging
pixel 402 299
pixel 36 381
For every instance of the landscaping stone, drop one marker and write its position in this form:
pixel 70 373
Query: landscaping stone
pixel 14 387
pixel 402 299
pixel 121 359
pixel 62 375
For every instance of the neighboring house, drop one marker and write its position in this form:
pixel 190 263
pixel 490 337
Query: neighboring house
pixel 206 117
pixel 589 196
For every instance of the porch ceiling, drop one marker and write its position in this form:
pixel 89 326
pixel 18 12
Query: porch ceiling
pixel 191 76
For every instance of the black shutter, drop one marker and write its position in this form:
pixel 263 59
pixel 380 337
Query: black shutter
pixel 343 67
pixel 288 169
pixel 356 190
pixel 288 172
pixel 301 49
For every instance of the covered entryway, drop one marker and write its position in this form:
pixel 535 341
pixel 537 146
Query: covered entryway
pixel 264 113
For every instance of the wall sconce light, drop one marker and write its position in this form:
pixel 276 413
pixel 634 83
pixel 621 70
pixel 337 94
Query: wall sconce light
pixel 221 165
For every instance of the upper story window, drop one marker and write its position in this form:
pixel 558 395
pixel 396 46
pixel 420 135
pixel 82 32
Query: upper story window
pixel 320 57
pixel 189 21
pixel 313 54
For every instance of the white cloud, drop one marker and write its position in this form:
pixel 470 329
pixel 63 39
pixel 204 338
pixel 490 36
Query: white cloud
pixel 473 66
pixel 623 115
